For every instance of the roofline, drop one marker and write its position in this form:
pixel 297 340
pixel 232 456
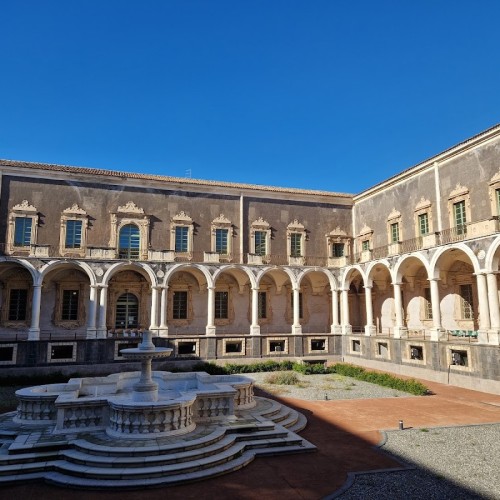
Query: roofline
pixel 459 148
pixel 165 179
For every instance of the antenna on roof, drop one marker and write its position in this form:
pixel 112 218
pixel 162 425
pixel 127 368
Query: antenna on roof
pixel 188 173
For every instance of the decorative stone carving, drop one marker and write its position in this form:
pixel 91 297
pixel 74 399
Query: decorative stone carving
pixel 395 214
pixel 130 208
pixel 24 206
pixel 423 203
pixel 75 210
pixel 459 191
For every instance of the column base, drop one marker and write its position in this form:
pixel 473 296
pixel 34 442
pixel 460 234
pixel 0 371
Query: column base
pixel 296 329
pixel 438 334
pixel 346 329
pixel 400 332
pixel 91 333
pixel 101 334
pixel 370 330
pixel 336 330
pixel 163 331
pixel 34 334
pixel 254 329
pixel 490 337
pixel 210 330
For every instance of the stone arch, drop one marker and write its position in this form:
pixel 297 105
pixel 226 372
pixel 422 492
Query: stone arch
pixel 143 269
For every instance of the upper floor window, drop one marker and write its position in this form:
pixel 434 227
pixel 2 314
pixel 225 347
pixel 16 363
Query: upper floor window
pixel 423 217
pixel 22 230
pixel 395 232
pixel 338 250
pixel 129 243
pixel 130 232
pixel 73 237
pixel 459 209
pixel 494 189
pixel 222 233
pixel 260 239
pixel 260 243
pixel 423 224
pixel 365 240
pixel 394 226
pixel 365 245
pixel 296 234
pixel 181 231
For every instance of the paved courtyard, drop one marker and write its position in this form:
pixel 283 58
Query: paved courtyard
pixel 448 437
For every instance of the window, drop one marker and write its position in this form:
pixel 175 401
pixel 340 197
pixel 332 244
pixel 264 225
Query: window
pixel 338 250
pixel 365 245
pixel 221 305
pixel 295 245
pixel 423 224
pixel 221 241
pixel 427 304
pixel 260 242
pixel 73 234
pixel 17 304
pixel 262 305
pixel 22 231
pixel 127 311
pixel 459 210
pixel 460 217
pixel 180 305
pixel 466 300
pixel 70 303
pixel 181 239
pixel 395 232
pixel 497 198
pixel 301 311
pixel 129 242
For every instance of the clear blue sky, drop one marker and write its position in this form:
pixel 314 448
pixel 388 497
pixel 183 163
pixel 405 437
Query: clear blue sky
pixel 335 95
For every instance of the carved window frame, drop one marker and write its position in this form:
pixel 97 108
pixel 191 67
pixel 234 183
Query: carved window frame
pixel 459 194
pixel 230 305
pixel 182 219
pixel 296 228
pixel 261 225
pixel 366 234
pixel 61 287
pixel 27 211
pixel 180 287
pixel 130 213
pixel 494 193
pixel 423 207
pixel 73 213
pixel 16 284
pixel 394 220
pixel 338 236
pixel 223 223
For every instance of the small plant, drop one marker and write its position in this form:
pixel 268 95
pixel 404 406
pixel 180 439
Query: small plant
pixel 282 378
pixel 424 430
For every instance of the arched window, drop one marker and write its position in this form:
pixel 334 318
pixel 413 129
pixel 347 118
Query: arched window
pixel 127 311
pixel 129 243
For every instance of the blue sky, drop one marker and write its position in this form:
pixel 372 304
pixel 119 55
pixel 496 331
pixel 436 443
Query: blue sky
pixel 331 95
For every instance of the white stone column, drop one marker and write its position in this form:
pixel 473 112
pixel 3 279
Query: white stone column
pixel 296 327
pixel 153 325
pixel 400 331
pixel 484 308
pixel 255 327
pixel 437 331
pixel 335 328
pixel 163 331
pixel 91 319
pixel 369 327
pixel 210 328
pixel 493 336
pixel 34 330
pixel 103 303
pixel 346 327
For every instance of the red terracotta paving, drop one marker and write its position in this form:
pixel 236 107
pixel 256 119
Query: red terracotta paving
pixel 344 432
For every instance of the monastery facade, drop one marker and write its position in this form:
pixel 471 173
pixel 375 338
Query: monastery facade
pixel 402 277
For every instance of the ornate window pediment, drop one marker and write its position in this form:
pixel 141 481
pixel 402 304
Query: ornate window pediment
pixel 394 227
pixel 73 232
pixel 494 192
pixel 459 210
pixel 296 236
pixel 181 235
pixel 260 240
pixel 23 228
pixel 221 236
pixel 131 208
pixel 338 245
pixel 423 217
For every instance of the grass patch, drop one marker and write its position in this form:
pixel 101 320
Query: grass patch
pixel 282 378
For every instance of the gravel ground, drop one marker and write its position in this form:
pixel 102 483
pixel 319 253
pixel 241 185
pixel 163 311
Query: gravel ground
pixel 315 387
pixel 450 463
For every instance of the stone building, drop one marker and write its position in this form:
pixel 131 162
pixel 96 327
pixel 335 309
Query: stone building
pixel 401 277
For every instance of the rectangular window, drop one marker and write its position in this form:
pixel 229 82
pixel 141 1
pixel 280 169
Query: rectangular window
pixel 338 250
pixel 497 195
pixel 295 245
pixel 22 231
pixel 181 238
pixel 73 234
pixel 365 245
pixel 300 305
pixel 460 217
pixel 427 304
pixel 17 304
pixel 221 305
pixel 423 224
pixel 262 305
pixel 260 243
pixel 395 232
pixel 69 305
pixel 467 305
pixel 180 305
pixel 221 241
